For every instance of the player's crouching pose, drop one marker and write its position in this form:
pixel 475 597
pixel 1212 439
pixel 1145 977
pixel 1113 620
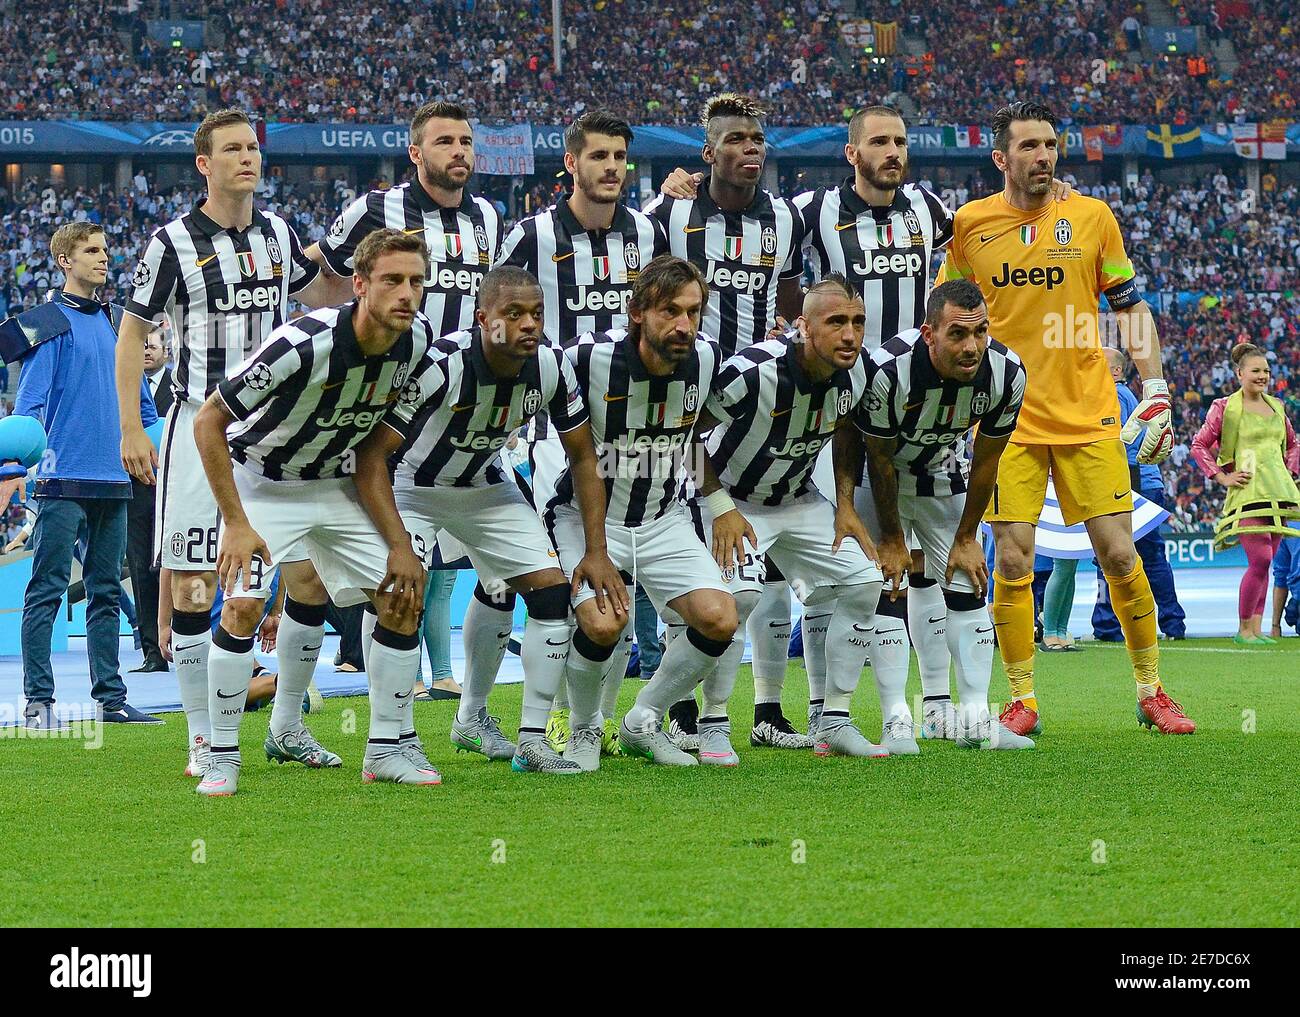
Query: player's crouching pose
pixel 300 405
pixel 645 387
pixel 486 383
pixel 926 388
pixel 776 406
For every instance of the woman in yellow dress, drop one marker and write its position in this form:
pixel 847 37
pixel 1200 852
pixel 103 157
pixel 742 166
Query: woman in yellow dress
pixel 1257 458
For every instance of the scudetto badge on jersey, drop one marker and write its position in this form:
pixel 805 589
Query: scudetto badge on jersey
pixel 1028 234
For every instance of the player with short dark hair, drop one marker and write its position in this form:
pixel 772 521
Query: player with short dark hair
pixel 1040 264
pixel 927 388
pixel 486 384
pixel 278 441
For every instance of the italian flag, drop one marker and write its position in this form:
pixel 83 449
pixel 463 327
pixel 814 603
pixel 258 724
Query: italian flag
pixel 1028 234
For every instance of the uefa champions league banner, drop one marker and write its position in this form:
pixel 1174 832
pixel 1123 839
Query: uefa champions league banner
pixel 506 146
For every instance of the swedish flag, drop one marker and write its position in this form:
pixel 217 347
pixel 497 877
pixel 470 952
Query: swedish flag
pixel 1163 142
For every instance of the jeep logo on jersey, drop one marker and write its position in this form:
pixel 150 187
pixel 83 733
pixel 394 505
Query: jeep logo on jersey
pixel 845 403
pixel 899 263
pixel 769 240
pixel 593 300
pixel 933 437
pixel 532 401
pixel 273 250
pixel 731 247
pixel 980 404
pixel 480 442
pixel 446 280
pixel 1063 232
pixel 632 255
pixel 453 244
pixel 600 268
pixel 692 398
pixel 793 449
pixel 1049 277
pixel 363 420
pixel 248 297
pixel 1028 234
pixel 735 278
pixel 247 263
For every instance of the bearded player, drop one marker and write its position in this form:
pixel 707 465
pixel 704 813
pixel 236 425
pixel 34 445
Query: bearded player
pixel 1042 267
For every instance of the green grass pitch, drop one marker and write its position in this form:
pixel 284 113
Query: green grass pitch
pixel 1103 824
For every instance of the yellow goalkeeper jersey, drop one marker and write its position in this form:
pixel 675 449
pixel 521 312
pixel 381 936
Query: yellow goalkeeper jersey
pixel 1042 274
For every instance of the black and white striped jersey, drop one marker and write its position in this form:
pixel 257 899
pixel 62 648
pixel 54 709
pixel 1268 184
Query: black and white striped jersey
pixel 586 275
pixel 742 255
pixel 930 416
pixel 308 396
pixel 884 251
pixel 641 423
pixel 223 291
pixel 464 243
pixel 453 437
pixel 774 420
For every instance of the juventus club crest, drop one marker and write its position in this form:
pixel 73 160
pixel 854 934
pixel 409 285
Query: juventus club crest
pixel 692 399
pixel 273 250
pixel 912 223
pixel 399 376
pixel 632 256
pixel 980 404
pixel 480 237
pixel 1063 232
pixel 769 240
pixel 532 402
pixel 845 403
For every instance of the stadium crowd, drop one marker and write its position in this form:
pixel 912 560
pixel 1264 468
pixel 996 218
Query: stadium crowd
pixel 329 60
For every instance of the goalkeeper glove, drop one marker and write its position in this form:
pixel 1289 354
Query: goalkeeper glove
pixel 1154 414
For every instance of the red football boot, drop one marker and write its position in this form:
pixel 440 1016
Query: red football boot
pixel 1019 719
pixel 1162 713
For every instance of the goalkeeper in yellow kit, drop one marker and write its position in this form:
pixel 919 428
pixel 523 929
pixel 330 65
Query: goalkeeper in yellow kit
pixel 1043 267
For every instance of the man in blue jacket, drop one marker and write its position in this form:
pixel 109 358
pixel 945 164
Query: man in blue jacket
pixel 67 383
pixel 1286 583
pixel 1146 481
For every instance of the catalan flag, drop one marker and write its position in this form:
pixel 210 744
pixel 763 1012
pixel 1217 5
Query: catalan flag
pixel 886 37
pixel 1164 141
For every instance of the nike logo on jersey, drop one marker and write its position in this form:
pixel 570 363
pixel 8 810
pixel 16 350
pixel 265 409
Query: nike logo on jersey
pixel 614 399
pixel 222 695
pixel 984 239
pixel 418 229
pixel 462 409
pixel 840 227
pixel 694 229
pixel 913 406
pixel 333 385
pixel 1120 494
pixel 561 257
pixel 779 413
pixel 203 261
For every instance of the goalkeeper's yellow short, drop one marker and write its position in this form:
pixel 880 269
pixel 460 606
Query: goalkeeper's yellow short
pixel 1091 480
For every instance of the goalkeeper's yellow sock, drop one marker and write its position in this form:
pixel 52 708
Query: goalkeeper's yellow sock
pixel 1135 607
pixel 1013 615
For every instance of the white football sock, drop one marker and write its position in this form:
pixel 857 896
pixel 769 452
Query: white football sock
pixel 368 622
pixel 929 638
pixel 848 639
pixel 191 639
pixel 545 647
pixel 769 639
pixel 815 622
pixel 688 661
pixel 614 673
pixel 230 666
pixel 890 656
pixel 297 648
pixel 583 671
pixel 970 641
pixel 394 660
pixel 719 683
pixel 486 634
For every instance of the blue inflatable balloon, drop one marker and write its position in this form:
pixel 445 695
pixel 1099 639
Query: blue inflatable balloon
pixel 22 441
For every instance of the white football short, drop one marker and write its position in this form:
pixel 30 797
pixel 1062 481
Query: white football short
pixel 664 555
pixel 797 537
pixel 320 520
pixel 494 525
pixel 186 522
